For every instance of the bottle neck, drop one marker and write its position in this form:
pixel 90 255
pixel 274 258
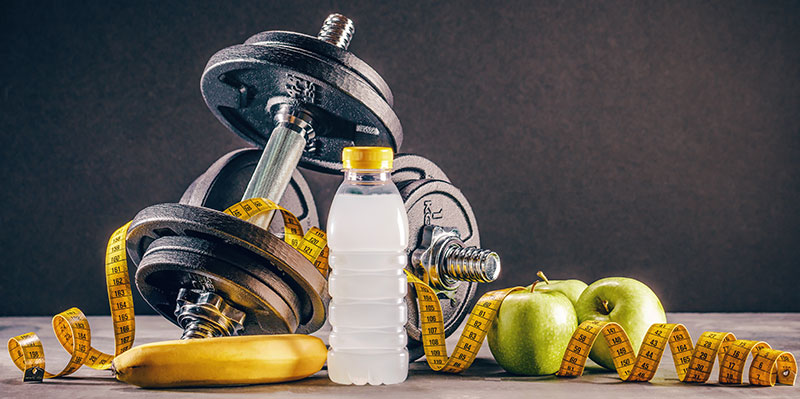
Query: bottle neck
pixel 367 176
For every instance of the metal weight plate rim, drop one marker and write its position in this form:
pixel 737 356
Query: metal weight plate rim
pixel 172 254
pixel 234 231
pixel 408 168
pixel 294 61
pixel 367 108
pixel 412 193
pixel 344 57
pixel 229 165
pixel 197 192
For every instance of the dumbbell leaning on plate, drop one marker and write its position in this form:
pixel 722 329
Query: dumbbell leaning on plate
pixel 313 106
pixel 304 99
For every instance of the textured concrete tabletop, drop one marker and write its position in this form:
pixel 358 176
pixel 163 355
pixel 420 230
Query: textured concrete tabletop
pixel 484 379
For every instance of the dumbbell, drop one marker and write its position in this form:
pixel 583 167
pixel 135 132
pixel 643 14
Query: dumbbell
pixel 303 99
pixel 444 245
pixel 201 262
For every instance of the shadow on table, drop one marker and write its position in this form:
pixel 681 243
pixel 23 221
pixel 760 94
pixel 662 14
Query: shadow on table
pixel 419 374
pixel 68 380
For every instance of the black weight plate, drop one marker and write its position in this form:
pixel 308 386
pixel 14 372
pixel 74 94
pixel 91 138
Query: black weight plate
pixel 242 82
pixel 174 262
pixel 411 167
pixel 437 202
pixel 283 260
pixel 314 45
pixel 223 185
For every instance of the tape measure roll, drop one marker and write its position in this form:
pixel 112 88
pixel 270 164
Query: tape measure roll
pixel 72 328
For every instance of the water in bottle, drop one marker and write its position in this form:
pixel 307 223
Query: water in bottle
pixel 367 236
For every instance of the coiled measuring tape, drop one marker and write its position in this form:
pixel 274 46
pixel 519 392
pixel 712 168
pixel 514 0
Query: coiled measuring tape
pixel 694 364
pixel 72 328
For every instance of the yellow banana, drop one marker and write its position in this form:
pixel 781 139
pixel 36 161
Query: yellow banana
pixel 251 359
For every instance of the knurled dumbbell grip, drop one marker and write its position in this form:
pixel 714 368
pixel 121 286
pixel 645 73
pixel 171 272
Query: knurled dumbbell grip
pixel 274 170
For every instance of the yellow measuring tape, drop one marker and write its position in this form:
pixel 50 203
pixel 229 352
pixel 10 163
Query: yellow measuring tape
pixel 694 364
pixel 72 328
pixel 432 326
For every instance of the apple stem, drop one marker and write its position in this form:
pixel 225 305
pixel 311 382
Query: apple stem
pixel 605 306
pixel 543 277
pixel 534 285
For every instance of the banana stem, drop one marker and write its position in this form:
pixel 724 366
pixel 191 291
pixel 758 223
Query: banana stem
pixel 543 277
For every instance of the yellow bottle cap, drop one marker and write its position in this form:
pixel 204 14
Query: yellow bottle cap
pixel 367 157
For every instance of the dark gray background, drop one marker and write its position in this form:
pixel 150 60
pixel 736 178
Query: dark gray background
pixel 656 140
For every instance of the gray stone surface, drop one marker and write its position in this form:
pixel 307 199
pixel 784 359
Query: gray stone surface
pixel 483 380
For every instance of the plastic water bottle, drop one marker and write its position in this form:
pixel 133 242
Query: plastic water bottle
pixel 367 236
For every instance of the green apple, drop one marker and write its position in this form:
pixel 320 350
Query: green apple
pixel 571 288
pixel 532 331
pixel 628 302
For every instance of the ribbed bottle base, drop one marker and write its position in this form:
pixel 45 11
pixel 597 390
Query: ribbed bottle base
pixel 368 367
